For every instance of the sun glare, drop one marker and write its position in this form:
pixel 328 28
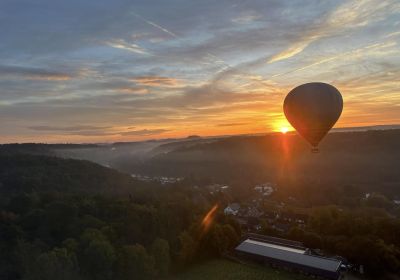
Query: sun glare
pixel 284 129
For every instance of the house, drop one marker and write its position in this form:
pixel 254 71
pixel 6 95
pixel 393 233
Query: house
pixel 271 215
pixel 232 209
pixel 215 188
pixel 265 189
pixel 292 257
pixel 253 212
pixel 293 217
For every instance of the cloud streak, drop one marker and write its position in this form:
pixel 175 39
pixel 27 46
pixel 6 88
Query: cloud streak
pixel 67 128
pixel 123 45
pixel 350 15
pixel 31 73
pixel 144 132
pixel 157 81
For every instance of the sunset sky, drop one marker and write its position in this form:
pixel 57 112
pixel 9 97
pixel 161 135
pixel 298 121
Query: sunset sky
pixel 102 71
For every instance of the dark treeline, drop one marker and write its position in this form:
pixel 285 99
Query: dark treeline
pixel 69 219
pixel 364 236
pixel 27 172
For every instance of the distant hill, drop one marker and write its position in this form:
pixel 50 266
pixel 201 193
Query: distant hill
pixel 366 128
pixel 38 173
pixel 367 159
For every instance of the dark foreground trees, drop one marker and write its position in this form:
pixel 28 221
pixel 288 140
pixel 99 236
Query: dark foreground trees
pixel 149 231
pixel 67 236
pixel 365 236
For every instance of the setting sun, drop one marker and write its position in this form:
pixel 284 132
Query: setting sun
pixel 284 129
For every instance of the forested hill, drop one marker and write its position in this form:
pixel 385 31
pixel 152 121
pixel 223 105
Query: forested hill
pixel 368 159
pixel 26 173
pixel 365 159
pixel 65 218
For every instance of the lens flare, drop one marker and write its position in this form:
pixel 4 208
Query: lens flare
pixel 208 218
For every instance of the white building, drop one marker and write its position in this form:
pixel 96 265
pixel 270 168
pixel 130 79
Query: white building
pixel 232 209
pixel 265 189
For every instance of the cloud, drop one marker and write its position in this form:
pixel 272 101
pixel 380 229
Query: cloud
pixel 133 90
pixel 89 130
pixel 67 128
pixel 246 17
pixel 350 15
pixel 144 132
pixel 78 130
pixel 296 48
pixel 194 67
pixel 123 45
pixel 31 73
pixel 231 124
pixel 370 50
pixel 157 81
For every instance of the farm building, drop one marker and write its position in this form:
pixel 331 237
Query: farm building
pixel 288 255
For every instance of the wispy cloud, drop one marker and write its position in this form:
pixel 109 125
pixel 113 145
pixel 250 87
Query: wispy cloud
pixel 189 67
pixel 247 17
pixel 133 90
pixel 144 132
pixel 123 45
pixel 157 81
pixel 293 50
pixel 67 128
pixel 370 50
pixel 350 15
pixel 89 130
pixel 231 124
pixel 30 73
pixel 215 58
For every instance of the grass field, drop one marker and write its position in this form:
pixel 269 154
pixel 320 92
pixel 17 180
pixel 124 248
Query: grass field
pixel 221 269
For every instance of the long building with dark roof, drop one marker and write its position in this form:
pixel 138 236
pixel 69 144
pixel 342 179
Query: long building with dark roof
pixel 279 253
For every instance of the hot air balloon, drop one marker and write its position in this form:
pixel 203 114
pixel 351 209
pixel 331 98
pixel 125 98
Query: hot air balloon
pixel 313 109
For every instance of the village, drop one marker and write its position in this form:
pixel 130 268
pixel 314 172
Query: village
pixel 262 213
pixel 163 180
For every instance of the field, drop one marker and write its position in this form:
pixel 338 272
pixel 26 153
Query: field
pixel 228 270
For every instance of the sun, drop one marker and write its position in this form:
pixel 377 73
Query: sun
pixel 284 129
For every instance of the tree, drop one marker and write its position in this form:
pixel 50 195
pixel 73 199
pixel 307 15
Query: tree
pixel 160 252
pixel 231 236
pixel 21 203
pixel 312 240
pixel 135 263
pixel 57 264
pixel 98 255
pixel 188 248
pixel 296 233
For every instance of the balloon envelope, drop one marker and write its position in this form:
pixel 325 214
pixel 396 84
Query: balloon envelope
pixel 313 109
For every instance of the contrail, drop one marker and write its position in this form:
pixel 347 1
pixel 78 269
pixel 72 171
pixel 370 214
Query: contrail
pixel 165 30
pixel 155 25
pixel 217 59
pixel 376 45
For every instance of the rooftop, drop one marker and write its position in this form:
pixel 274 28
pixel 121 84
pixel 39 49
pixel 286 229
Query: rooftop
pixel 287 254
pixel 276 240
pixel 234 206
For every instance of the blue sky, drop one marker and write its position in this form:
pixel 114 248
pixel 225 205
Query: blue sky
pixel 98 71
